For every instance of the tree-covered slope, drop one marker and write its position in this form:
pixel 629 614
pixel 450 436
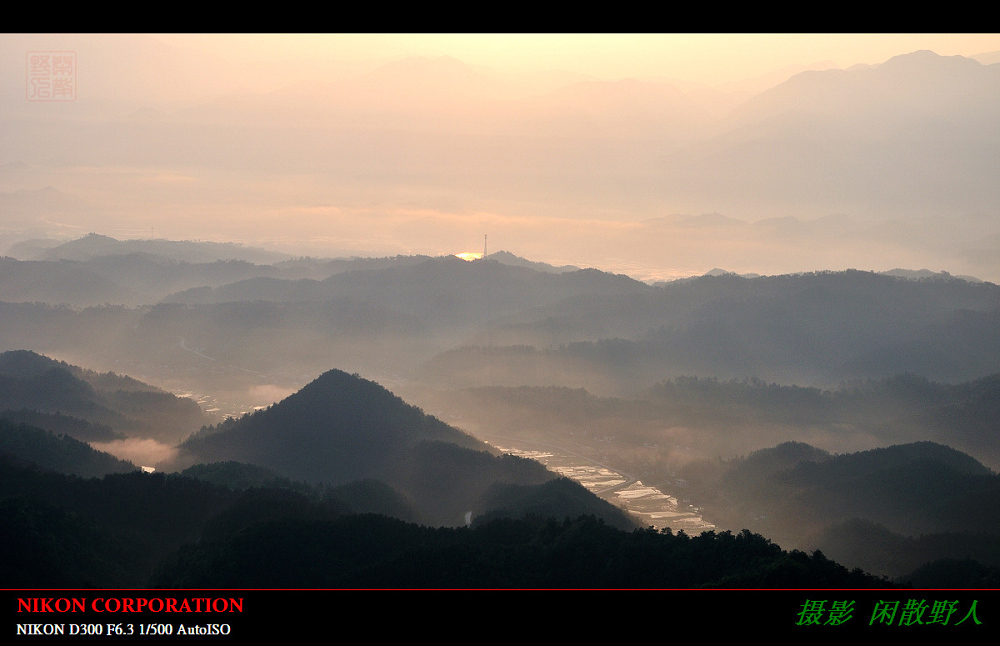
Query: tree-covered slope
pixel 342 428
pixel 32 382
pixel 57 453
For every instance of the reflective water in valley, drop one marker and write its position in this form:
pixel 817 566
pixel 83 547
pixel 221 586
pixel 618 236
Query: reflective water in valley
pixel 650 505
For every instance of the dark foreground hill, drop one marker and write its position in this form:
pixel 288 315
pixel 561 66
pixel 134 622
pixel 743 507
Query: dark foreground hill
pixel 374 551
pixel 336 429
pixel 60 453
pixel 139 530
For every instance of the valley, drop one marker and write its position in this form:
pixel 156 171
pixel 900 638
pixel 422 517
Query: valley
pixel 491 311
pixel 581 410
pixel 648 505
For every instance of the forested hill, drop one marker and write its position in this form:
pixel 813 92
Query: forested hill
pixel 342 428
pixel 887 510
pixel 60 453
pixel 96 246
pixel 816 329
pixel 442 292
pixel 42 391
pixel 336 429
pixel 427 318
pixel 139 530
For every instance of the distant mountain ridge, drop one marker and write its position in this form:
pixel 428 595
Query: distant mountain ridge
pixel 918 83
pixel 391 316
pixel 507 258
pixel 98 269
pixel 812 328
pixel 94 245
pixel 921 274
pixel 443 292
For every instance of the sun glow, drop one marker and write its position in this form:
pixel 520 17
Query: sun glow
pixel 468 255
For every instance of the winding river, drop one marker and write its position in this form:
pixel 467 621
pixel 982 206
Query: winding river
pixel 650 505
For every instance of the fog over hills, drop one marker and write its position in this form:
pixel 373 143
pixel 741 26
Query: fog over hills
pixel 538 330
pixel 861 508
pixel 762 301
pixel 114 405
pixel 431 319
pixel 94 246
pixel 339 429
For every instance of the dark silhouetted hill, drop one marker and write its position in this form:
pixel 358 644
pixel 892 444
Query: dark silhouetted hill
pixel 139 530
pixel 62 454
pixel 342 428
pixel 888 509
pixel 364 551
pixel 32 382
pixel 336 429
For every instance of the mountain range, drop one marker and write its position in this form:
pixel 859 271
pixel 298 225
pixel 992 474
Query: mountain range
pixel 835 388
pixel 343 444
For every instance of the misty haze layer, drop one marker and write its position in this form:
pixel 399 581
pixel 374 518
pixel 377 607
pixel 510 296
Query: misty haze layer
pixel 766 306
pixel 872 167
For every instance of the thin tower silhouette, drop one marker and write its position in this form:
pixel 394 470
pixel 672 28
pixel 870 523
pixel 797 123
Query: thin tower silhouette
pixel 489 331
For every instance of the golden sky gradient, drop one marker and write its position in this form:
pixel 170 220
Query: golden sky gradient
pixel 657 155
pixel 703 58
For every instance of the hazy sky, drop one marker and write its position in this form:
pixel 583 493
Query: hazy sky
pixel 704 58
pixel 348 144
